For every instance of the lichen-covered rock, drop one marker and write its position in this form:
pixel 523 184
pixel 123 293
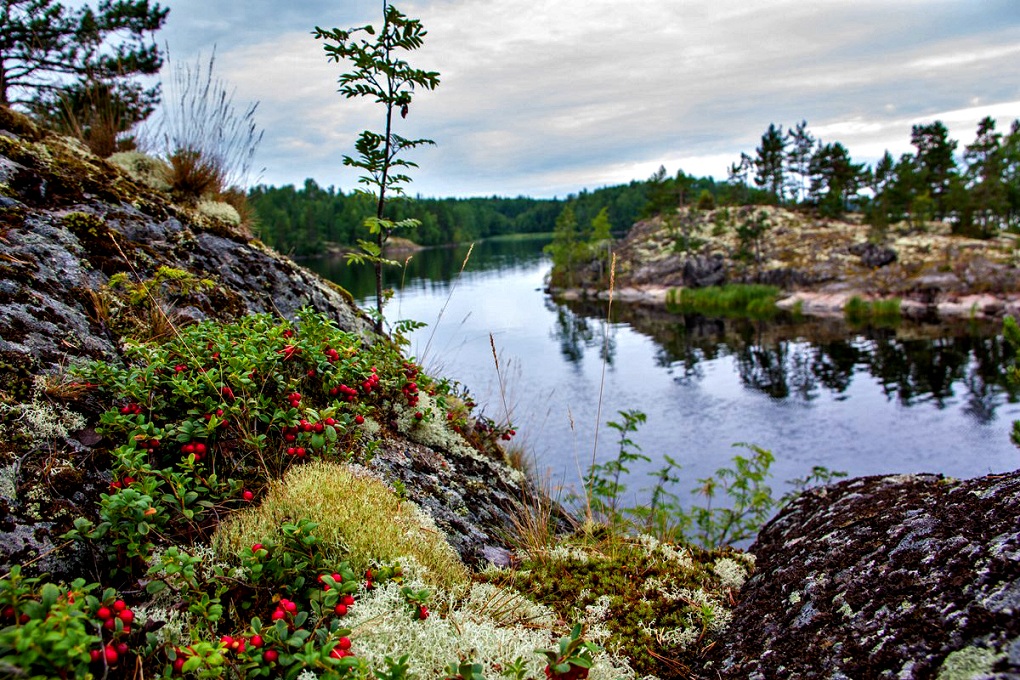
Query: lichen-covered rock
pixel 913 576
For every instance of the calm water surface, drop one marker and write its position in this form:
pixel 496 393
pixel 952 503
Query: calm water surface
pixel 913 399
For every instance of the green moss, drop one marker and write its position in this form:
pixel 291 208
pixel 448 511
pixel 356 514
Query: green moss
pixel 360 520
pixel 639 596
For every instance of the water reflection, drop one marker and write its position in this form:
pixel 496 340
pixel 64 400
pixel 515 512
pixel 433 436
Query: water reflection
pixel 799 360
pixel 434 268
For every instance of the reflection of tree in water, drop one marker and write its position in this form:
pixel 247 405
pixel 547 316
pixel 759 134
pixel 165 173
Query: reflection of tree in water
pixel 801 360
pixel 834 364
pixel 577 333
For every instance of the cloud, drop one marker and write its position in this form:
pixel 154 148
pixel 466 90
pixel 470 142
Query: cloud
pixel 546 98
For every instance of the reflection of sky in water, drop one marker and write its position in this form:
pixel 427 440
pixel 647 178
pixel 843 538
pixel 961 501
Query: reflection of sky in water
pixel 694 419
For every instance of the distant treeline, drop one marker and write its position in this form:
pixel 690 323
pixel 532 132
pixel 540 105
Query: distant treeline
pixel 978 191
pixel 303 221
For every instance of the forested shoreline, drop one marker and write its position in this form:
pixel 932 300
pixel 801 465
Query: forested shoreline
pixel 977 190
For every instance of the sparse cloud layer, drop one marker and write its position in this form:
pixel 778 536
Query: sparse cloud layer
pixel 546 98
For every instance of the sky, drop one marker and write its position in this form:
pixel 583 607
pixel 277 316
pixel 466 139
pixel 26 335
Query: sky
pixel 544 98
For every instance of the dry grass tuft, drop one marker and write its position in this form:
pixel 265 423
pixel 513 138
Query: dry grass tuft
pixel 193 174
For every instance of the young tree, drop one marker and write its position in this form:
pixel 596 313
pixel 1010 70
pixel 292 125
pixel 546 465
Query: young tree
pixel 567 249
pixel 769 163
pixel 382 75
pixel 52 58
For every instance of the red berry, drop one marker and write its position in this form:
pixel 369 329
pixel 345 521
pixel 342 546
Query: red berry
pixel 359 419
pixel 289 606
pixel 347 600
pixel 127 616
pixel 178 664
pixel 278 614
pixel 200 448
pixel 255 547
pixel 340 610
pixel 104 613
pixel 122 648
pixel 419 415
pixel 247 495
pixel 110 623
pixel 271 655
pixel 344 643
pixel 188 448
pixel 119 605
pixel 256 641
pixel 423 612
pixel 111 654
pixel 95 655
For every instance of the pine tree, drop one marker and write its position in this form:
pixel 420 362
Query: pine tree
pixel 935 164
pixel 56 62
pixel 769 163
pixel 798 160
pixel 984 176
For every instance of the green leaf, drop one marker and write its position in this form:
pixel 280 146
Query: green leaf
pixel 154 587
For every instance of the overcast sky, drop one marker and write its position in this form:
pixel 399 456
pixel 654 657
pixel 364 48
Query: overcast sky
pixel 547 97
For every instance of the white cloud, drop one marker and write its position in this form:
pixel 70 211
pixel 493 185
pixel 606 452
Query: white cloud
pixel 546 98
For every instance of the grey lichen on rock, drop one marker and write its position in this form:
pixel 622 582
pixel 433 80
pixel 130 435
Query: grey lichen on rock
pixel 904 576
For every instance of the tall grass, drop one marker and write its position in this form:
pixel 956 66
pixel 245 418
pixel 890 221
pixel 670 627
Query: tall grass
pixel 858 311
pixel 208 141
pixel 752 300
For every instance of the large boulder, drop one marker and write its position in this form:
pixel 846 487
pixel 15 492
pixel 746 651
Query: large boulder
pixel 914 576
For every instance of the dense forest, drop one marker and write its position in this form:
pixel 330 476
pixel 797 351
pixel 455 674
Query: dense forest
pixel 977 190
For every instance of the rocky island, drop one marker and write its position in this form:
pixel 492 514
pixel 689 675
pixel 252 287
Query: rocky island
pixel 819 264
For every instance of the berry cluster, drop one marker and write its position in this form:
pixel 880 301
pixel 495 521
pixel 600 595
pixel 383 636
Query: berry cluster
pixel 115 618
pixel 410 388
pixel 130 409
pixel 197 448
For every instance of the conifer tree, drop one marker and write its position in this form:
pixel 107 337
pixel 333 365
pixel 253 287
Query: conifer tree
pixel 54 60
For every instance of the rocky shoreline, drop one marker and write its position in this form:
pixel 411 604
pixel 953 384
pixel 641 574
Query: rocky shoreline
pixel 824 304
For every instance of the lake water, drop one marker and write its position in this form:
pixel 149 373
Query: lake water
pixel 905 400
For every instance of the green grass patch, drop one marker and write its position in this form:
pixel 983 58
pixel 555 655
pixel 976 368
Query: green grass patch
pixel 749 300
pixel 858 311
